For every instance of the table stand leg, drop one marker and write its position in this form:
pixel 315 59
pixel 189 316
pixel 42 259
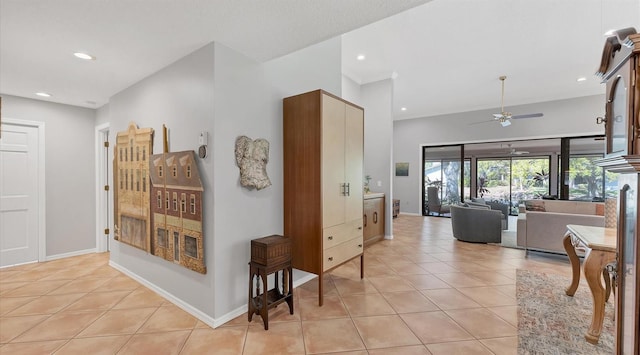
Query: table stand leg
pixel 575 264
pixel 593 265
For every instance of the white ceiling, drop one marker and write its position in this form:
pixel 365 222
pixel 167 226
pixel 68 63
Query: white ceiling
pixel 447 54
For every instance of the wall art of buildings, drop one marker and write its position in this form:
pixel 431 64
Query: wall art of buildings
pixel 176 209
pixel 131 193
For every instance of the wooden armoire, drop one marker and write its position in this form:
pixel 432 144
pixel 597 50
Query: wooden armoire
pixel 323 181
pixel 620 71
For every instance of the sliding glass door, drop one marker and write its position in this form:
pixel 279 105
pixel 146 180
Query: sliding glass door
pixel 443 171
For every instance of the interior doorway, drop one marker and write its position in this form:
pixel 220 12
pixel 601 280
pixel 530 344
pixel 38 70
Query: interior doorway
pixel 104 195
pixel 22 193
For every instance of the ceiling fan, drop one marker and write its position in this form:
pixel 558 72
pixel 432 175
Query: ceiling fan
pixel 504 117
pixel 514 151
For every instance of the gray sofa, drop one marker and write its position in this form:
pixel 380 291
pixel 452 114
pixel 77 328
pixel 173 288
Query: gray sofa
pixel 476 224
pixel 543 226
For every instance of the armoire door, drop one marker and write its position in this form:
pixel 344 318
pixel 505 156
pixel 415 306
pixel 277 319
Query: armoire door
pixel 354 143
pixel 333 162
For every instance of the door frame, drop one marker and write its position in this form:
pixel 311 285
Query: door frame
pixel 42 193
pixel 104 214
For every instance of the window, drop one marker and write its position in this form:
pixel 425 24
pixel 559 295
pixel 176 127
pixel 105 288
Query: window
pixel 175 201
pixel 121 180
pixel 131 148
pixel 174 171
pixel 160 170
pixel 167 200
pixel 131 179
pixel 125 155
pixel 189 171
pixel 126 179
pixel 138 180
pixel 162 238
pixel 193 204
pixel 190 246
pixel 159 199
pixel 120 155
pixel 144 153
pixel 144 180
pixel 183 203
pixel 137 153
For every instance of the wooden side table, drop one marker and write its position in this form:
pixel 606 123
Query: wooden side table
pixel 270 255
pixel 599 245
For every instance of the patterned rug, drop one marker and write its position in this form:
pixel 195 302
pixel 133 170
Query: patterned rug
pixel 550 322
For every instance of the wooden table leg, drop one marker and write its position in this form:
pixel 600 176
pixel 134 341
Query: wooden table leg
pixel 575 264
pixel 593 265
pixel 264 310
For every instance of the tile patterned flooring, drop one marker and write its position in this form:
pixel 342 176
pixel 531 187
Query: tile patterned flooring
pixel 423 293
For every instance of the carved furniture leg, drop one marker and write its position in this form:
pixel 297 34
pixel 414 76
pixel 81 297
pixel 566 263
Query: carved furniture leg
pixel 289 292
pixel 264 311
pixel 593 265
pixel 607 284
pixel 575 264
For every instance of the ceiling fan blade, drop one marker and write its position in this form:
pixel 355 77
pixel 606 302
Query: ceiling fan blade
pixel 529 115
pixel 481 122
pixel 497 115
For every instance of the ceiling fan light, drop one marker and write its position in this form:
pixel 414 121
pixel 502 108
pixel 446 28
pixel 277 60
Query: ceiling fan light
pixel 505 123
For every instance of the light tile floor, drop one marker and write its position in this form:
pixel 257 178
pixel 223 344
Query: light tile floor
pixel 423 293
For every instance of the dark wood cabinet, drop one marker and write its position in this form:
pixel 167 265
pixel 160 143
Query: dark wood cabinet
pixel 323 184
pixel 396 208
pixel 373 218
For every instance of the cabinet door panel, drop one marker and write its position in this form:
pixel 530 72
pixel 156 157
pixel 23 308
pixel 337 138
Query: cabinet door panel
pixel 333 200
pixel 354 155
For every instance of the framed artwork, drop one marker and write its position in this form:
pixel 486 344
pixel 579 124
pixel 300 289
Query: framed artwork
pixel 402 169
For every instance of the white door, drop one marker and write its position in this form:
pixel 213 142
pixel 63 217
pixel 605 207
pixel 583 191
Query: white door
pixel 20 172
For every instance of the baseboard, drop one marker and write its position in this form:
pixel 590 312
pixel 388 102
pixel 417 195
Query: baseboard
pixel 70 254
pixel 205 318
pixel 18 264
pixel 411 214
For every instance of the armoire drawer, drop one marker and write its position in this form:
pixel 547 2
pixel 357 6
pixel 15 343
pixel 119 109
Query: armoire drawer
pixel 340 253
pixel 339 234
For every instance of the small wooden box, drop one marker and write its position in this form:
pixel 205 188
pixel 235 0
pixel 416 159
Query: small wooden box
pixel 271 250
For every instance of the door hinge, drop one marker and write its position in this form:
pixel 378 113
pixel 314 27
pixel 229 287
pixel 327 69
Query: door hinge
pixel 106 144
pixel 106 231
pixel 106 187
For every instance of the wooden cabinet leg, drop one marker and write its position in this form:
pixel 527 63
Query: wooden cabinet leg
pixel 264 311
pixel 593 265
pixel 362 266
pixel 575 264
pixel 320 289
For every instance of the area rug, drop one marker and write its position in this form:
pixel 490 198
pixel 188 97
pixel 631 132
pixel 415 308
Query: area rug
pixel 550 322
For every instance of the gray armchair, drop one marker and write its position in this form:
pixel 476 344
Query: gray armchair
pixel 495 205
pixel 433 202
pixel 476 224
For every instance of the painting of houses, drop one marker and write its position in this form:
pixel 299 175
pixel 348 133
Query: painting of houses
pixel 176 209
pixel 131 194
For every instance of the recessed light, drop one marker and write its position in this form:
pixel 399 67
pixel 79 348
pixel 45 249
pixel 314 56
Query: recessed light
pixel 43 94
pixel 582 78
pixel 360 57
pixel 403 109
pixel 84 56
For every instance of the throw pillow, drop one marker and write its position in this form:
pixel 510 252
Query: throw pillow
pixel 534 205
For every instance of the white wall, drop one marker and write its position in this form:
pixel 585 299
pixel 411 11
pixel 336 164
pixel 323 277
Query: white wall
pixel 182 97
pixel 562 118
pixel 69 171
pixel 218 90
pixel 377 100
